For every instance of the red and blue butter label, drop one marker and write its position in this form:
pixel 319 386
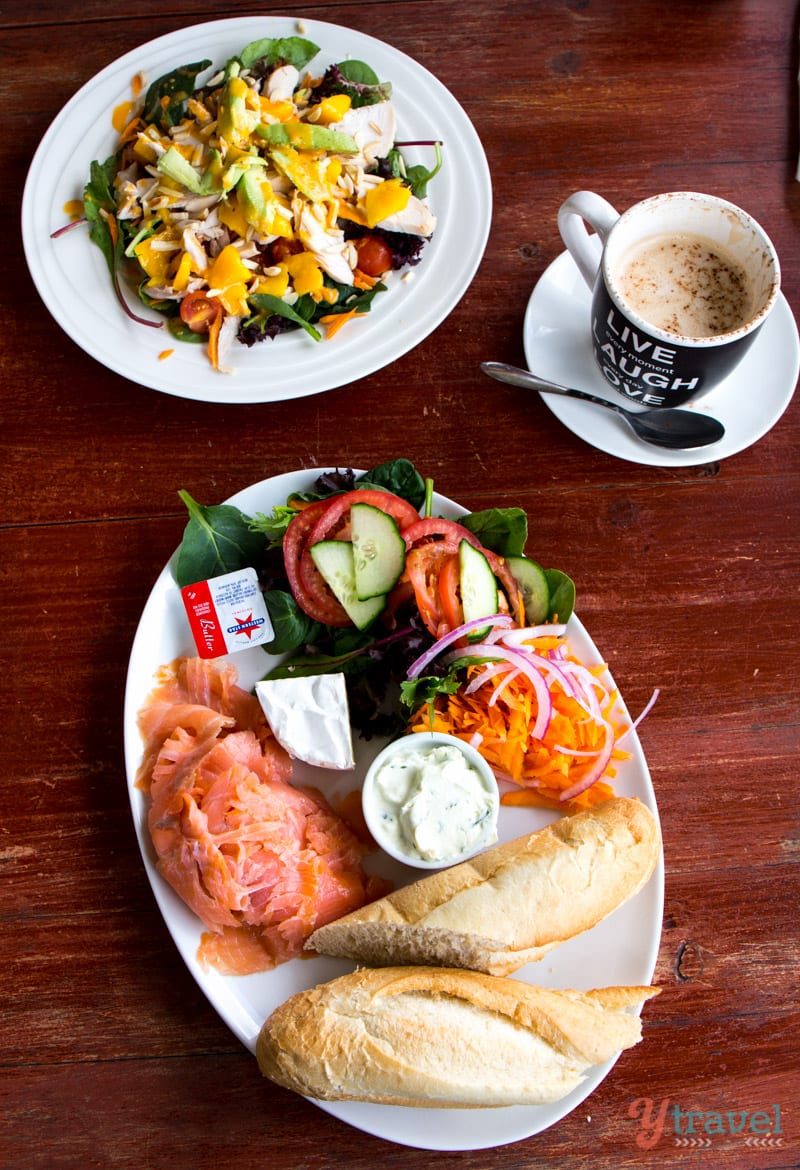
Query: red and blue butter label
pixel 227 613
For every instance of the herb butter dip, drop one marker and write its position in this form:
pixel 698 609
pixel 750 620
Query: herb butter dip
pixel 430 801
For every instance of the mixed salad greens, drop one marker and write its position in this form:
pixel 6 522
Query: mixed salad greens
pixel 360 576
pixel 263 199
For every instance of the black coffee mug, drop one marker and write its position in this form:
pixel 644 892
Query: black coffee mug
pixel 703 271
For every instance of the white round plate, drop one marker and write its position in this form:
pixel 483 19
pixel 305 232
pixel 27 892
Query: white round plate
pixel 72 278
pixel 558 346
pixel 622 950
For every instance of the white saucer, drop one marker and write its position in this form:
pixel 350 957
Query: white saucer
pixel 748 403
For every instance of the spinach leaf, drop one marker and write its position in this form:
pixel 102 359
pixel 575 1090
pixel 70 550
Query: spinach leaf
pixel 503 530
pixel 268 306
pixel 216 540
pixel 166 98
pixel 562 595
pixel 98 197
pixel 349 298
pixel 292 626
pixel 399 476
pixel 302 665
pixel 418 176
pixel 179 330
pixel 271 51
pixel 358 72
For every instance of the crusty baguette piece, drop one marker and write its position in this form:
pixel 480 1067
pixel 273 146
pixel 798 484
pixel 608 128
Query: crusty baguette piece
pixel 442 1037
pixel 512 904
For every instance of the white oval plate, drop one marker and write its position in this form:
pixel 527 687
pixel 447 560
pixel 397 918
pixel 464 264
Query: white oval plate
pixel 622 950
pixel 558 346
pixel 70 272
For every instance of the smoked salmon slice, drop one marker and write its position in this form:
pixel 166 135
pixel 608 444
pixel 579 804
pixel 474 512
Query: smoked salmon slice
pixel 262 863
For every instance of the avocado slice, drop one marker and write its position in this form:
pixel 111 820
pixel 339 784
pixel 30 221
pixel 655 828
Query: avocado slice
pixel 307 136
pixel 234 122
pixel 257 206
pixel 176 167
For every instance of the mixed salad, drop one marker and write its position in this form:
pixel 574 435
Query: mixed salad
pixel 266 198
pixel 436 624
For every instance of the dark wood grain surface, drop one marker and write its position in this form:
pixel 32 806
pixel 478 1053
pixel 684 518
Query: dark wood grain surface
pixel 687 580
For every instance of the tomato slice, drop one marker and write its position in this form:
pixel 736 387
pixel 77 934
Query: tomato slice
pixel 423 566
pixel 449 595
pixel 310 590
pixel 334 520
pixel 435 528
pixel 448 534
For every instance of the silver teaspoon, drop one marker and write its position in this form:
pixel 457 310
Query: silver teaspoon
pixel 664 426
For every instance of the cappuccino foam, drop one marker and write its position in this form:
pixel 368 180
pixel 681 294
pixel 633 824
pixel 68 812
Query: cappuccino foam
pixel 686 284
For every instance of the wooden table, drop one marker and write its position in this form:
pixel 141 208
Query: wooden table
pixel 687 580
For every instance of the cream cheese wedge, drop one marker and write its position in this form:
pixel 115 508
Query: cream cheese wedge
pixel 310 718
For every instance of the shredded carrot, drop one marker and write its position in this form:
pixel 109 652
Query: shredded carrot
pixel 334 321
pixel 213 340
pixel 131 130
pixel 498 716
pixel 544 798
pixel 362 281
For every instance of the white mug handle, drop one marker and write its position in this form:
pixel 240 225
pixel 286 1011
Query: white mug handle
pixel 574 213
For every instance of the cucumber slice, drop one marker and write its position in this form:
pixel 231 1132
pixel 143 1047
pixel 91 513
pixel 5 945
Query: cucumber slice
pixel 533 586
pixel 478 587
pixel 336 563
pixel 379 550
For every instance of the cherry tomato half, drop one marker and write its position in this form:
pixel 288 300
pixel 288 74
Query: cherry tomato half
pixel 199 312
pixel 374 255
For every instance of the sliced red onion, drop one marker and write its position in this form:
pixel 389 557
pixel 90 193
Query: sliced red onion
pixel 526 633
pixel 556 673
pixel 501 686
pixel 647 709
pixel 67 227
pixel 543 661
pixel 595 772
pixel 487 672
pixel 568 751
pixel 446 640
pixel 586 684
